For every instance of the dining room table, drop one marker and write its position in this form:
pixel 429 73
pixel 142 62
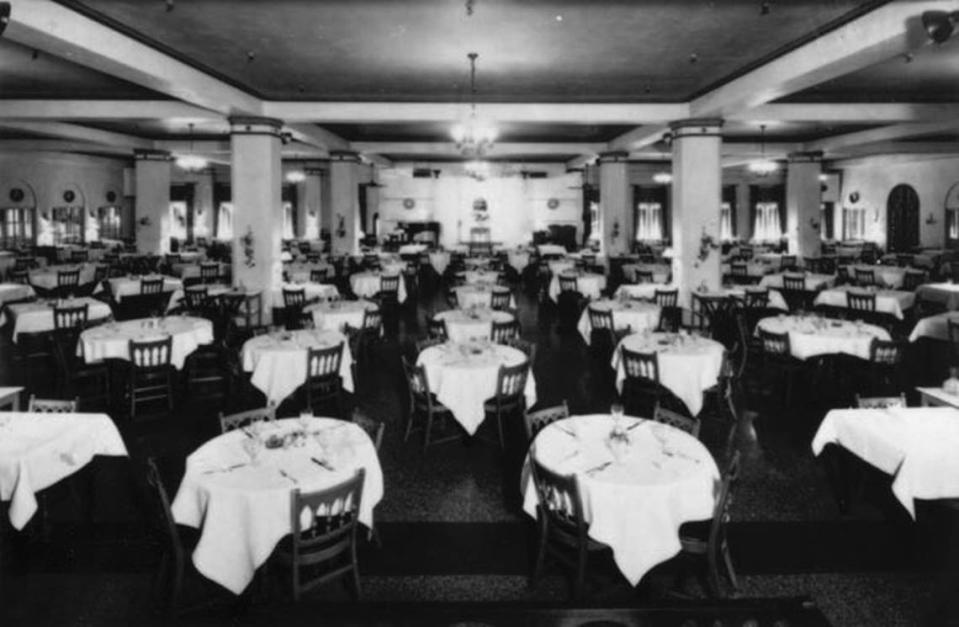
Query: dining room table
pixel 112 339
pixel 629 314
pixel 916 446
pixel 334 315
pixel 887 276
pixel 277 361
pixel 689 364
pixel 368 284
pixel 130 285
pixel 311 291
pixel 945 293
pixel 811 281
pixel 480 295
pixel 37 316
pixel 637 488
pixel 661 272
pixel 237 488
pixel 463 375
pixel 935 327
pixel 814 335
pixel 893 302
pixel 301 271
pixel 473 323
pixel 551 250
pixel 12 292
pixel 39 449
pixel 588 284
pixel 642 291
pixel 46 277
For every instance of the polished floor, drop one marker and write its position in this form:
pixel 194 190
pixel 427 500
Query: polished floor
pixel 453 535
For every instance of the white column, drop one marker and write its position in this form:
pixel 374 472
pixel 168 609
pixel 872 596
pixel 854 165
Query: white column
pixel 257 209
pixel 203 205
pixel 152 208
pixel 803 199
pixel 697 198
pixel 344 200
pixel 615 202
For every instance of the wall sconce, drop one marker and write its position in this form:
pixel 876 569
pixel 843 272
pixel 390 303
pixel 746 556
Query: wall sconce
pixel 340 225
pixel 614 234
pixel 814 224
pixel 931 219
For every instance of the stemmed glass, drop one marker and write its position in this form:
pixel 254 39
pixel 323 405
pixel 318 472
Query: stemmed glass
pixel 617 411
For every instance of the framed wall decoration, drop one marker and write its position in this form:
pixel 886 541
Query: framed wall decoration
pixel 408 203
pixel 552 203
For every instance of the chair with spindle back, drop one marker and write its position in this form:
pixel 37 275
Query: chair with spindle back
pixel 794 292
pixel 230 422
pixel 67 282
pixel 51 406
pixel 209 272
pixel 861 304
pixel 671 316
pixel 645 277
pixel 756 298
pixel 369 333
pixel 323 381
pixel 70 317
pixel 886 359
pixel 500 331
pixel 880 402
pixel 294 300
pixel 641 388
pixel 151 286
pixel 151 373
pixel 534 421
pixel 779 365
pixel 423 403
pixel 195 299
pixel 739 273
pixel 568 283
pixel 510 395
pixel 788 263
pixel 500 300
pixel 436 328
pixel 865 276
pixel 319 275
pixel 912 279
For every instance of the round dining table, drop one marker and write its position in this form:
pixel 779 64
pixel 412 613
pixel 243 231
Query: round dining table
pixel 336 314
pixel 480 295
pixel 474 323
pixel 46 278
pixel 688 364
pixel 37 316
pixel 812 336
pixel 464 375
pixel 635 495
pixel 367 285
pixel 240 500
pixel 130 285
pixel 589 285
pixel 479 277
pixel 635 315
pixel 112 340
pixel 278 360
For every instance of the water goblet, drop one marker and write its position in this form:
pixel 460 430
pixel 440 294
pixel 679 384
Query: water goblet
pixel 617 411
pixel 251 446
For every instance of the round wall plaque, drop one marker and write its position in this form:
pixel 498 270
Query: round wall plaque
pixel 854 197
pixel 16 194
pixel 552 203
pixel 68 195
pixel 111 196
pixel 408 203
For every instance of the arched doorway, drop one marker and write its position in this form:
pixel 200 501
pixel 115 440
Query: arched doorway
pixel 902 219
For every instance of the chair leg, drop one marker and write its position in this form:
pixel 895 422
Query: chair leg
pixel 428 431
pixel 540 554
pixel 730 570
pixel 358 590
pixel 499 428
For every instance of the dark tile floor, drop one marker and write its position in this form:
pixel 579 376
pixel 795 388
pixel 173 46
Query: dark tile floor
pixel 451 527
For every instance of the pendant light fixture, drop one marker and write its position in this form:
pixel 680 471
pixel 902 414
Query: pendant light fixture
pixel 763 167
pixel 473 136
pixel 191 162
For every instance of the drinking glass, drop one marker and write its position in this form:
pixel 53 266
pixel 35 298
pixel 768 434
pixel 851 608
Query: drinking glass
pixel 617 411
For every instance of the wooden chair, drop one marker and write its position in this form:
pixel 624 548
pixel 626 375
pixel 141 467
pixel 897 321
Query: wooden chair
pixel 423 402
pixel 708 539
pixel 89 382
pixel 502 331
pixel 861 303
pixel 527 347
pixel 195 299
pixel 150 373
pixel 319 275
pixel 368 334
pixel 562 527
pixel 510 395
pixel 885 365
pixel 756 298
pixel 674 419
pixel 151 286
pixel 66 317
pixel 436 328
pixel 294 297
pixel 325 547
pixel 912 279
pixel 788 263
pixel 51 406
pixel 880 402
pixel 229 422
pixel 210 373
pixel 794 282
pixel 209 272
pixel 865 276
pixel 323 381
pixel 374 428
pixel 670 317
pixel 778 361
pixel 67 282
pixel 739 272
pixel 645 276
pixel 534 421
pixel 568 284
pixel 500 300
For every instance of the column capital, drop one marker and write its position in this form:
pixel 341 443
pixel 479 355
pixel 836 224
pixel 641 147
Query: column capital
pixel 696 127
pixel 313 171
pixel 143 154
pixel 614 156
pixel 345 156
pixel 247 125
pixel 814 156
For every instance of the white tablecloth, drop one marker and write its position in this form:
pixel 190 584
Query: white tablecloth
pixel 311 291
pixel 916 445
pixel 935 327
pixel 893 302
pixel 561 265
pixel 753 268
pixel 46 278
pixel 479 277
pixel 468 296
pixel 688 365
pixel 811 337
pixel 645 291
pixel 519 259
pixel 112 340
pixel 476 323
pixel 776 300
pixel 367 285
pixel 38 450
pixel 192 270
pixel 243 512
pixel 37 317
pixel 943 293
pixel 412 249
pixel 130 286
pixel 638 316
pixel 813 281
pixel 462 380
pixel 333 315
pixel 551 249
pixel 589 285
pixel 440 260
pixel 661 271
pixel 13 292
pixel 278 360
pixel 637 504
pixel 889 276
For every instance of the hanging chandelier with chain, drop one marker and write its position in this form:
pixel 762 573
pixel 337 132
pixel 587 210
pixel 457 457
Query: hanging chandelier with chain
pixel 473 136
pixel 191 162
pixel 763 167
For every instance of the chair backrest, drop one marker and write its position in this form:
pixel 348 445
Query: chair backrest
pixel 418 382
pixel 209 272
pixel 21 276
pixel 912 279
pixel 666 298
pixel 24 263
pixel 536 420
pixel 151 353
pixel 68 278
pixel 51 406
pixel 774 343
pixel 70 317
pixel 787 262
pixel 374 428
pixel 861 302
pixel 171 258
pixel 887 352
pixel 640 365
pixel 600 318
pixel 196 296
pixel 568 284
pixel 390 284
pixel 324 362
pixel 756 298
pixel 794 282
pixel 560 503
pixel 100 272
pixel 511 380
pixel 161 508
pixel 372 321
pixel 294 297
pixel 739 269
pixel 151 286
pixel 880 402
pixel 502 331
pixel 436 328
pixel 675 419
pixel 319 275
pixel 499 300
pixel 229 422
pixel 324 522
pixel 528 347
pixel 865 276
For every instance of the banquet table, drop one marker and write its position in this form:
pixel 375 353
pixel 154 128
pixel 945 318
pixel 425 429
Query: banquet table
pixel 311 291
pixel 889 276
pixel 812 281
pixel 893 302
pixel 242 507
pixel 642 291
pixel 13 292
pixel 46 278
pixel 130 286
pixel 475 323
pixel 661 271
pixel 463 376
pixel 334 315
pixel 935 327
pixel 589 285
pixel 278 360
pixel 635 315
pixel 915 445
pixel 688 364
pixel 811 336
pixel 37 317
pixel 38 450
pixel 112 340
pixel 468 296
pixel 634 502
pixel 946 294
pixel 367 285
pixel 551 250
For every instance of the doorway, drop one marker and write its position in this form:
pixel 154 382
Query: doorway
pixel 902 219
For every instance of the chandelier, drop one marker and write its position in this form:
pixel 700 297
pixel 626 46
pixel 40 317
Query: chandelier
pixel 473 136
pixel 764 166
pixel 191 162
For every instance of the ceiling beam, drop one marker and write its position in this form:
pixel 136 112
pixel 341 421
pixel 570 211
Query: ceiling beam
pixel 931 149
pixel 76 132
pixel 891 29
pixel 883 134
pixel 62 32
pixel 103 110
pixel 376 159
pixel 639 137
pixel 449 149
pixel 864 112
pixel 62 146
pixel 317 136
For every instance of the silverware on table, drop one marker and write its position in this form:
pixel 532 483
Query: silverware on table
pixel 324 464
pixel 287 475
pixel 596 469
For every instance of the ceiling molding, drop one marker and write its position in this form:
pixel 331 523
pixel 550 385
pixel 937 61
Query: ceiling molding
pixel 884 134
pixel 60 147
pixel 865 112
pixel 76 132
pixel 104 110
pixel 449 149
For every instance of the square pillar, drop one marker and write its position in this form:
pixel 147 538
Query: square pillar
pixel 152 219
pixel 615 203
pixel 256 175
pixel 345 201
pixel 803 200
pixel 697 199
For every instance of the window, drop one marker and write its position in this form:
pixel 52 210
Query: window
pixel 952 224
pixel 726 221
pixel 109 221
pixel 854 223
pixel 767 225
pixel 649 221
pixel 67 225
pixel 288 220
pixel 224 221
pixel 16 228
